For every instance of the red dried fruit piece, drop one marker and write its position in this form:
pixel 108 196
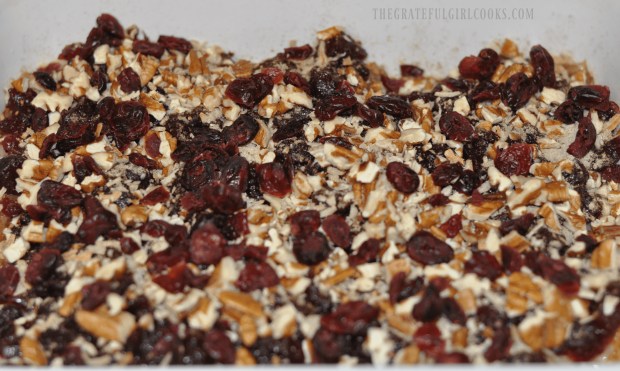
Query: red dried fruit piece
pixel 544 67
pixel 611 173
pixel 446 173
pixel 328 345
pixel 242 131
pixel 264 84
pixel 485 90
pixel 343 46
pixel 243 91
pixel 10 144
pixel 330 107
pixel 590 339
pixel 291 129
pixel 426 249
pixel 70 51
pixel 452 227
pixel 476 198
pixel 222 198
pixel 517 90
pixel 467 183
pixel 99 80
pixel 167 340
pixel 590 242
pixel 521 224
pixel 438 199
pixel 428 338
pixel 430 307
pixel 129 246
pixel 500 346
pixel 273 180
pixel 219 347
pixel 371 116
pixel 345 88
pixel 130 121
pixel 515 160
pixel 366 253
pixel 391 105
pixel 352 318
pixel 392 85
pixel 174 280
pixel 337 141
pixel 94 39
pixel 299 53
pixel 256 276
pixel 207 245
pixel 256 253
pixel 304 222
pixel 453 311
pixel 146 47
pixel 511 259
pixel 311 249
pixel 337 230
pixel 295 79
pixel 409 70
pixel 110 25
pixel 456 85
pixel 45 80
pixel 42 266
pixel 10 207
pixel 151 145
pixel 457 127
pixel 140 160
pixel 402 177
pixel 98 220
pixel 611 112
pixel 84 166
pixel 481 67
pixel 129 80
pixel 531 261
pixel 584 140
pixel 175 43
pixel 276 74
pixel 237 226
pixel 59 199
pixel 322 84
pixel 95 294
pixel 158 195
pixel 564 277
pixel 9 279
pixel 192 280
pixel 40 120
pixel 591 96
pixel 235 173
pixel 452 358
pixel 400 289
pixel 569 112
pixel 484 264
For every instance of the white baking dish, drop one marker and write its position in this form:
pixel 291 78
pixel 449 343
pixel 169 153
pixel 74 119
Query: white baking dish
pixel 34 32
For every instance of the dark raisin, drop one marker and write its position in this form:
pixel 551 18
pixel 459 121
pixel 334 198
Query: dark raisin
pixel 243 91
pixel 584 140
pixel 311 249
pixel 292 129
pixel 446 173
pixel 400 289
pixel 295 79
pixel 99 80
pixel 45 80
pixel 409 70
pixel 511 259
pixel 130 121
pixel 426 249
pixel 517 90
pixel 402 177
pixel 457 127
pixel 485 90
pixel 521 224
pixel 321 84
pixel 95 294
pixel 468 182
pixel 242 131
pixel 391 105
pixel 371 116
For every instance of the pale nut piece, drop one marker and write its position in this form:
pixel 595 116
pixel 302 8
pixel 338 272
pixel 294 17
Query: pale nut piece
pixel 247 330
pixel 133 215
pixel 100 324
pixel 244 303
pixel 604 255
pixel 33 351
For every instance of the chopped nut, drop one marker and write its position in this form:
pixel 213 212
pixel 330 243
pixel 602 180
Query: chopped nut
pixel 100 324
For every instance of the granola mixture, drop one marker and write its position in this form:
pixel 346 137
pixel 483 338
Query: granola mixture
pixel 166 203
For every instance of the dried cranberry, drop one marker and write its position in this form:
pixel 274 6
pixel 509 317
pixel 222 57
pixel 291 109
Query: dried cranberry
pixel 371 116
pixel 242 131
pixel 129 246
pixel 561 275
pixel 484 264
pixel 456 85
pixel 446 173
pixel 391 106
pixel 521 224
pixel 322 84
pixel 453 311
pixel 457 127
pixel 517 90
pixel 256 276
pixel 95 294
pixel 366 253
pixel 590 96
pixel 276 74
pixel 428 338
pixel 426 249
pixel 343 46
pixel 174 281
pixel 59 199
pixel 337 230
pixel 409 70
pixel 299 53
pixel 584 140
pixel 438 199
pixel 452 358
pixel 207 245
pixel 500 346
pixel 515 160
pixel 93 41
pixel 10 144
pixel 468 182
pixel 337 141
pixel 223 198
pixel 611 112
pixel 99 80
pixel 328 345
pixel 485 90
pixel 130 121
pixel 481 67
pixel 429 308
pixel 345 88
pixel 476 198
pixel 532 261
pixel 70 51
pixel 146 47
pixel 151 145
pixel 295 79
pixel 331 106
pixel 392 85
pixel 273 180
pixel 9 279
pixel 42 266
pixel 511 259
pixel 402 177
pixel 400 289
pixel 45 80
pixel 98 220
pixel 175 43
pixel 291 129
pixel 569 112
pixel 311 249
pixel 588 340
pixel 158 195
pixel 235 173
pixel 243 91
pixel 219 347
pixel 611 173
pixel 590 242
pixel 452 227
pixel 143 161
pixel 304 222
pixel 264 84
pixel 351 318
pixel 110 25
pixel 129 80
pixel 10 208
pixel 544 67
pixel 40 120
